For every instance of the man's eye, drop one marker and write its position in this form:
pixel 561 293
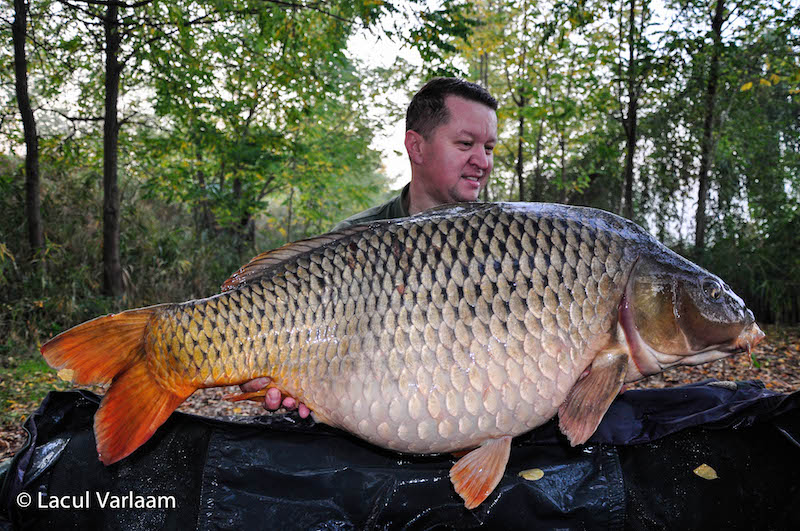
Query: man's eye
pixel 465 143
pixel 489 149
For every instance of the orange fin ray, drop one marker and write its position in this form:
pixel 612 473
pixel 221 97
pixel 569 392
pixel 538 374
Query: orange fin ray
pixel 476 475
pixel 590 397
pixel 99 349
pixel 131 411
pixel 255 396
pixel 258 396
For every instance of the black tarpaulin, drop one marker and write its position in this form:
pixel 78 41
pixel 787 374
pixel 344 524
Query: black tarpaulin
pixel 284 473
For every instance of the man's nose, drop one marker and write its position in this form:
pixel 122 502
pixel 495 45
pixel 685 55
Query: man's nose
pixel 479 158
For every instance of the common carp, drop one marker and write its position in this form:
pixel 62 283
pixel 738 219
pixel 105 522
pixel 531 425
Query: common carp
pixel 456 329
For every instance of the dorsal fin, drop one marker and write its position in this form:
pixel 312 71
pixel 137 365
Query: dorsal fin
pixel 258 266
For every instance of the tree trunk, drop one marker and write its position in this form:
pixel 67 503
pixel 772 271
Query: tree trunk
pixel 522 102
pixel 289 217
pixel 238 232
pixel 538 178
pixel 203 216
pixel 33 211
pixel 112 267
pixel 244 234
pixel 708 130
pixel 562 146
pixel 484 78
pixel 484 70
pixel 631 118
pixel 521 149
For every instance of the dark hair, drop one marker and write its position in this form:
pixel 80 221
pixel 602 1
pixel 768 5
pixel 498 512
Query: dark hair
pixel 427 109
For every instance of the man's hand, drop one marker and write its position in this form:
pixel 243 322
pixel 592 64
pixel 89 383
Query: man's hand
pixel 274 399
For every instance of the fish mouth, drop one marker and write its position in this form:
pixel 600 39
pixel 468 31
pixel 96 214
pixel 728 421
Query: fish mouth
pixel 744 342
pixel 749 338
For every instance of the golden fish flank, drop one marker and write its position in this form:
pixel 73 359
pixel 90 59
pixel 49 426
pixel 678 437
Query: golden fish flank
pixel 458 328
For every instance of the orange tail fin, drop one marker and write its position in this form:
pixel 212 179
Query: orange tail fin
pixel 112 349
pixel 132 410
pixel 98 350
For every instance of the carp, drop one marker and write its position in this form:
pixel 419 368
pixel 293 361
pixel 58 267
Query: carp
pixel 455 329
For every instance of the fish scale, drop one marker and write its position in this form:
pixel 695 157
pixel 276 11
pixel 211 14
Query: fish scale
pixel 457 328
pixel 406 355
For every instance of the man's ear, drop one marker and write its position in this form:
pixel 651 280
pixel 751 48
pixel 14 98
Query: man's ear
pixel 414 146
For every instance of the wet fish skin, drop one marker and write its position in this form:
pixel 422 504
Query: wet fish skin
pixel 424 336
pixel 440 332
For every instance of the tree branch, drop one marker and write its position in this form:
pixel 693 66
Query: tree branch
pixel 89 12
pixel 311 7
pixel 117 3
pixel 265 190
pixel 74 119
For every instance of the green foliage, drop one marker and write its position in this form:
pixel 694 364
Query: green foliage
pixel 755 177
pixel 242 127
pixel 163 262
pixel 245 126
pixel 762 265
pixel 24 382
pixel 562 74
pixel 279 114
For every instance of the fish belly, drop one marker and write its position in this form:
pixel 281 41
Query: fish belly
pixel 441 406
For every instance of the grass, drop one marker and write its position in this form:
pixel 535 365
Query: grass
pixel 24 382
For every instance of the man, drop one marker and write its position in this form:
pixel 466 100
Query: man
pixel 451 131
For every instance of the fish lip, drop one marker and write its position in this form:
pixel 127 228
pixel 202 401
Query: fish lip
pixel 746 340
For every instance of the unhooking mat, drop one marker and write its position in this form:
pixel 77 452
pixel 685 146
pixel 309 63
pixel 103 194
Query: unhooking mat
pixel 638 471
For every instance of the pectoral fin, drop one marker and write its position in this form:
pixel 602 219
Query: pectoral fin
pixel 475 475
pixel 590 397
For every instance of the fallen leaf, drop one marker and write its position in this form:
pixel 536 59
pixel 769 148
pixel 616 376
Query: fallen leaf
pixel 66 374
pixel 533 474
pixel 706 472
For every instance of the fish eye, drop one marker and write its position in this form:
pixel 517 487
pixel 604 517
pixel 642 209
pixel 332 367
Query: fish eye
pixel 712 289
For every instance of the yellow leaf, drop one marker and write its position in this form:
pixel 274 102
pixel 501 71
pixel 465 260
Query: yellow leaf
pixel 706 472
pixel 237 410
pixel 533 474
pixel 765 82
pixel 746 86
pixel 66 374
pixel 774 78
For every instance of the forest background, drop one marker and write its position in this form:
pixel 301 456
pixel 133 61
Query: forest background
pixel 148 148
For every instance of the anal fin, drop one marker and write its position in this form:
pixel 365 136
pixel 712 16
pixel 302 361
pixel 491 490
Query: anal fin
pixel 476 475
pixel 590 397
pixel 258 396
pixel 255 396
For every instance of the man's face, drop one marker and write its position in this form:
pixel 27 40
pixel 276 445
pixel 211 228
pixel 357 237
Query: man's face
pixel 457 158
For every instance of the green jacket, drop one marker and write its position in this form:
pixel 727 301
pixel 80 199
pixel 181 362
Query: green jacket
pixel 394 208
